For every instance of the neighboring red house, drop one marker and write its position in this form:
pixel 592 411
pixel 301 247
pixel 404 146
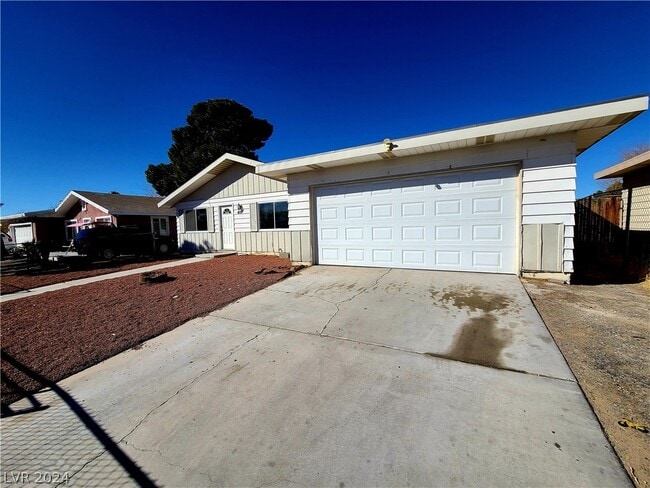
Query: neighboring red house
pixel 81 209
pixel 40 225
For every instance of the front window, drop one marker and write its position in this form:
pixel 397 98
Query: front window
pixel 274 215
pixel 103 220
pixel 160 226
pixel 196 220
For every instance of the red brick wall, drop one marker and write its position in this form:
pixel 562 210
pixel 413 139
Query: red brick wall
pixel 75 213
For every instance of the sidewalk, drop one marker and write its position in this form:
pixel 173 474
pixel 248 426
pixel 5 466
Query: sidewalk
pixel 94 279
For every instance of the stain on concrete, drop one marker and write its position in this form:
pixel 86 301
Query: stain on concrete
pixel 473 298
pixel 480 341
pixel 235 369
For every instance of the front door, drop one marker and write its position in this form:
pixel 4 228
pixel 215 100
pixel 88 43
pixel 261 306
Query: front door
pixel 227 228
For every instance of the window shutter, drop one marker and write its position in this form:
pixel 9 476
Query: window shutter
pixel 180 221
pixel 190 220
pixel 210 218
pixel 254 223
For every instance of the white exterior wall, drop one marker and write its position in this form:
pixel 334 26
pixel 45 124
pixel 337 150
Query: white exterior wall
pixel 547 180
pixel 291 240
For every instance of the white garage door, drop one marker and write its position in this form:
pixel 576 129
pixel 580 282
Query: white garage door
pixel 23 233
pixel 462 221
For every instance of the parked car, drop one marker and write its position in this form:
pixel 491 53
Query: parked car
pixel 9 244
pixel 107 242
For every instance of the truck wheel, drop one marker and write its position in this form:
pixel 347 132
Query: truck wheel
pixel 163 248
pixel 108 254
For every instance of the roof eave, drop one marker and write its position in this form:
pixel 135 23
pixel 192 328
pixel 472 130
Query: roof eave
pixel 69 200
pixel 203 177
pixel 625 167
pixel 620 111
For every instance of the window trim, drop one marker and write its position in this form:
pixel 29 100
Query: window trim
pixel 194 210
pixel 161 217
pixel 275 227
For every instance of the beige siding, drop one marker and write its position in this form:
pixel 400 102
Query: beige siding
pixel 238 187
pixel 640 213
pixel 296 243
pixel 199 241
pixel 236 181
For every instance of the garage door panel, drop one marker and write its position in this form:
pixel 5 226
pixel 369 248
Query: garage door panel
pixel 463 221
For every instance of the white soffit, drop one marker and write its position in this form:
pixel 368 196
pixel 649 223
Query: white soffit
pixel 218 166
pixel 590 123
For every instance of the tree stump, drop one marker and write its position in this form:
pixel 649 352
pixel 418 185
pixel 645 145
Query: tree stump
pixel 151 277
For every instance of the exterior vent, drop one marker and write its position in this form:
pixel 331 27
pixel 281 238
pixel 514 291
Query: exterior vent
pixel 484 140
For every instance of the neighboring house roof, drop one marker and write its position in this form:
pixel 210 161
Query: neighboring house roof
pixel 114 203
pixel 26 215
pixel 625 167
pixel 590 123
pixel 213 170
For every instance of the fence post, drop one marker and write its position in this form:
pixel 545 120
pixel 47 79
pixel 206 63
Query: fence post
pixel 628 214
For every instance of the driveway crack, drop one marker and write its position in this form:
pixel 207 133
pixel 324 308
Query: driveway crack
pixel 362 290
pixel 166 460
pixel 233 351
pixel 81 468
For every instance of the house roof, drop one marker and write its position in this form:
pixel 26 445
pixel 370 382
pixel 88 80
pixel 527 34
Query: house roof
pixel 625 167
pixel 212 171
pixel 25 215
pixel 113 203
pixel 591 123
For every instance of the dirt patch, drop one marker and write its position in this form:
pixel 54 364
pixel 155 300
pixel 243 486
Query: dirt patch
pixel 473 298
pixel 59 333
pixel 604 333
pixel 15 283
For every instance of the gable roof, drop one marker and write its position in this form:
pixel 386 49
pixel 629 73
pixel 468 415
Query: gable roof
pixel 212 171
pixel 113 203
pixel 591 123
pixel 625 167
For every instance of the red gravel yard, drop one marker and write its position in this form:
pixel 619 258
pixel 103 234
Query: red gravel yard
pixel 59 333
pixel 15 283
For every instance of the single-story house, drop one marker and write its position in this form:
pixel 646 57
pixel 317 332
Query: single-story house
pixel 81 209
pixel 635 173
pixel 496 197
pixel 40 225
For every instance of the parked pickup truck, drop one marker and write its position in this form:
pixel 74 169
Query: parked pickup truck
pixel 107 242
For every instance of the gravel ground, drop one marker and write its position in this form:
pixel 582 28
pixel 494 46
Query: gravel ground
pixel 15 283
pixel 604 333
pixel 59 333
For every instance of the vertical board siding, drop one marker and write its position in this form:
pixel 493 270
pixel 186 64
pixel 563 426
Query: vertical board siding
pixel 198 241
pixel 296 243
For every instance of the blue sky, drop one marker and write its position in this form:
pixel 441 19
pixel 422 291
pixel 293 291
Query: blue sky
pixel 91 90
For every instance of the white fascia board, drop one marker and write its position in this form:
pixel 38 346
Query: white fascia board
pixel 624 167
pixel 201 178
pixel 67 203
pixel 550 121
pixel 35 213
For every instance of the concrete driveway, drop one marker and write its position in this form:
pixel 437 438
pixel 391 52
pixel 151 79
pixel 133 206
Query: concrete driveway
pixel 334 377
